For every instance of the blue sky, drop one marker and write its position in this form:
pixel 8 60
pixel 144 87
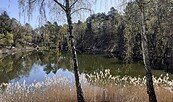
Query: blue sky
pixel 12 8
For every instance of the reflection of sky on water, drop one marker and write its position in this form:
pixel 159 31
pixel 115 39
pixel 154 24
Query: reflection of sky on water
pixel 37 74
pixel 34 67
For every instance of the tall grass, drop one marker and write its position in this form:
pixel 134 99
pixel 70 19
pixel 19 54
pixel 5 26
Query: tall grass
pixel 102 87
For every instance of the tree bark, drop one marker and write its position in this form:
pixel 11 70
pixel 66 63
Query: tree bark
pixel 145 52
pixel 80 96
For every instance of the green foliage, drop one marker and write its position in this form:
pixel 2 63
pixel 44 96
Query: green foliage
pixel 50 35
pixel 111 32
pixel 10 38
pixel 6 39
pixel 158 25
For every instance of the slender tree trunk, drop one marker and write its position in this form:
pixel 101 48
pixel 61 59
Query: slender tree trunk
pixel 149 80
pixel 80 96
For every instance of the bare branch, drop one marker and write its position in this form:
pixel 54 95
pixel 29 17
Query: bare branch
pixel 30 1
pixel 62 6
pixel 42 4
pixel 72 5
pixel 42 8
pixel 81 9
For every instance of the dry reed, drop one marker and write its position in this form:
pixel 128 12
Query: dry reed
pixel 97 87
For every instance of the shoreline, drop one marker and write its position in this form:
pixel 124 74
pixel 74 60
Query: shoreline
pixel 6 51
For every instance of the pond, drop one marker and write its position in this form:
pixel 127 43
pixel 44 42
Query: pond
pixel 37 65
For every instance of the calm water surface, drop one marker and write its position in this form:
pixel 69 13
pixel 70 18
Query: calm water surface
pixel 36 66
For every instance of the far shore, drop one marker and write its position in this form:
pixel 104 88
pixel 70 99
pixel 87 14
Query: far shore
pixel 4 51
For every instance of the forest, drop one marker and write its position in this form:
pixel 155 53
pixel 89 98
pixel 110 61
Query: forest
pixel 112 32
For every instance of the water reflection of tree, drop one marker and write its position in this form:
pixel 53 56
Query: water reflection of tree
pixel 55 61
pixel 19 65
pixel 96 63
pixel 14 67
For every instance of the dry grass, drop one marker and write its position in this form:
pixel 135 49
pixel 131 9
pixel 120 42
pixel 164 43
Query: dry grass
pixel 92 94
pixel 125 94
pixel 61 89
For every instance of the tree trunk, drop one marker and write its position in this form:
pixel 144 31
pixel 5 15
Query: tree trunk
pixel 80 96
pixel 149 80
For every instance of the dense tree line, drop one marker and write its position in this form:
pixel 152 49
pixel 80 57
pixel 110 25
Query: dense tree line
pixel 121 33
pixel 12 33
pixel 6 38
pixel 158 30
